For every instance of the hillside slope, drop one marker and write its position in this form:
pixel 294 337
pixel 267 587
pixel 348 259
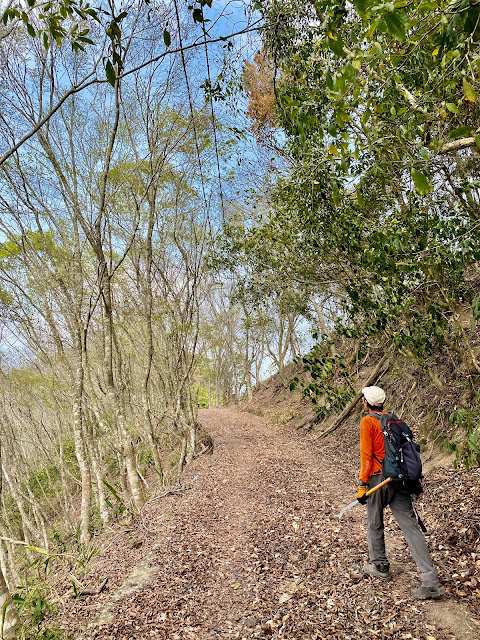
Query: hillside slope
pixel 410 393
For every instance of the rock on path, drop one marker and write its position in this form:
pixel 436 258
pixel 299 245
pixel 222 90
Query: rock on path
pixel 254 549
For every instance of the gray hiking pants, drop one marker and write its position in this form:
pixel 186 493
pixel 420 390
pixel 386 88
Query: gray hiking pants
pixel 401 505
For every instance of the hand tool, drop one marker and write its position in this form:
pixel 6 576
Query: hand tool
pixel 368 493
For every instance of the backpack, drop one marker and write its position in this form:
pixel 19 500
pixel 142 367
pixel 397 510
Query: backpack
pixel 402 460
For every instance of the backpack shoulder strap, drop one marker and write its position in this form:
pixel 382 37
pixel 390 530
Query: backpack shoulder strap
pixel 378 416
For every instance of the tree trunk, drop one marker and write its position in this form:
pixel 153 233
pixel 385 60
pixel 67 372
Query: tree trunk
pixel 123 475
pixel 11 624
pixel 95 451
pixel 80 448
pixel 248 383
pixel 27 525
pixel 471 364
pixel 4 565
pixel 183 453
pixel 40 522
pixel 37 510
pixel 134 482
pixel 247 364
pixel 192 443
pixel 116 401
pixel 100 490
pixel 147 416
pixel 63 478
pixel 148 317
pixel 11 564
pixel 320 317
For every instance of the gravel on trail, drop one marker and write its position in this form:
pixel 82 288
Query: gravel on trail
pixel 252 547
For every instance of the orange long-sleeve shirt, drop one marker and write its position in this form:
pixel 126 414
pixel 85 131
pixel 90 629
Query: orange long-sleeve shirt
pixel 371 443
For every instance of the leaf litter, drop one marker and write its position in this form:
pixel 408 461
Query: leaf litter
pixel 255 549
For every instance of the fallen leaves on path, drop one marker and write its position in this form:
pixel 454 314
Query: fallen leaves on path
pixel 255 549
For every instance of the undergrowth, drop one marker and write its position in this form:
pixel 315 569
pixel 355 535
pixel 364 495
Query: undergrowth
pixel 467 441
pixel 37 613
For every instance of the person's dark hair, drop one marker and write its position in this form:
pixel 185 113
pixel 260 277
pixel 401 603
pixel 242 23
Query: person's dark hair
pixel 376 408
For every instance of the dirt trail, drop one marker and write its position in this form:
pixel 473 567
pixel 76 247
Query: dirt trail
pixel 254 549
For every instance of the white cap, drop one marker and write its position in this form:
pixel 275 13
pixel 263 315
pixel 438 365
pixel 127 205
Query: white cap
pixel 375 396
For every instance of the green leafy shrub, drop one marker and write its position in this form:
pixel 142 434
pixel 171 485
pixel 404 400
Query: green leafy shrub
pixel 467 443
pixel 331 386
pixel 202 397
pixel 34 608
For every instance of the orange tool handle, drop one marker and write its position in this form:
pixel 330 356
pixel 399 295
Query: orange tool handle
pixel 379 486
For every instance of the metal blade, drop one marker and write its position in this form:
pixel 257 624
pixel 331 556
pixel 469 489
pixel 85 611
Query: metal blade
pixel 347 508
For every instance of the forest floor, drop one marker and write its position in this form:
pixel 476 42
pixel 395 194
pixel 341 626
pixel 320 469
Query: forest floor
pixel 251 546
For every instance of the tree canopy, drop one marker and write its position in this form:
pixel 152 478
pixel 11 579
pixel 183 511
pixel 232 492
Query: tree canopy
pixel 377 206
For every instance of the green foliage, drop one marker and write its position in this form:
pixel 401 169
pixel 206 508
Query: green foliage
pixel 331 386
pixel 466 420
pixel 111 463
pixel 55 22
pixel 32 604
pixel 421 182
pixel 174 459
pixel 43 481
pixel 69 461
pixel 6 300
pixel 115 502
pixel 9 251
pixel 145 458
pixel 69 456
pixel 273 251
pixel 85 556
pixel 399 65
pixel 202 397
pixel 378 211
pixel 48 634
pixel 12 512
pixel 379 92
pixel 34 607
pixel 160 475
pixel 60 538
pixel 372 206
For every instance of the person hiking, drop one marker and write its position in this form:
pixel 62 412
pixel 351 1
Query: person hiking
pixel 372 453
